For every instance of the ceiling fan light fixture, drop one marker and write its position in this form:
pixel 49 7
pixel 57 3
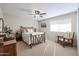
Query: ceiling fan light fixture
pixel 37 12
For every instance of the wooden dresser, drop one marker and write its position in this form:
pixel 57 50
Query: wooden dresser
pixel 8 47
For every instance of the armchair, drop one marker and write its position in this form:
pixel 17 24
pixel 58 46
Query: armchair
pixel 66 41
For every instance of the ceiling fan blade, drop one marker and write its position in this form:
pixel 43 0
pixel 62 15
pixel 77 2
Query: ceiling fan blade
pixel 32 14
pixel 43 14
pixel 27 10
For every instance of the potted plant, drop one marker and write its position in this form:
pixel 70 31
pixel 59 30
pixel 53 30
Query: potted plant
pixel 7 30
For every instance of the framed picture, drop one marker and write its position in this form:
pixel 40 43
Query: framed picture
pixel 43 25
pixel 1 25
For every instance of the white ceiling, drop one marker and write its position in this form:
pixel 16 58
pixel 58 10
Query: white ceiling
pixel 52 9
pixel 55 9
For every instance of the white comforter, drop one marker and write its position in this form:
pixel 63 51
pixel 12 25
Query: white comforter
pixel 26 36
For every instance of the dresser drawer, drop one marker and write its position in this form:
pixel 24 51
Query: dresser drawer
pixel 10 50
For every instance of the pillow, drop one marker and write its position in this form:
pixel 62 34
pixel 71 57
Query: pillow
pixel 30 30
pixel 23 29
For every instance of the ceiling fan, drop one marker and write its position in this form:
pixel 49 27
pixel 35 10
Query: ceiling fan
pixel 35 12
pixel 38 13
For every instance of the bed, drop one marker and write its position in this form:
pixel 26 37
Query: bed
pixel 32 37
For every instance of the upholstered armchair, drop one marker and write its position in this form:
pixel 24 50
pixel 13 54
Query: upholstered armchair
pixel 66 40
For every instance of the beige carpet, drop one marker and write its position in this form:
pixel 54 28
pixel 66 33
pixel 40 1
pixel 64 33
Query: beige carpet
pixel 48 48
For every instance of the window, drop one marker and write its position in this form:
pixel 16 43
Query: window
pixel 60 26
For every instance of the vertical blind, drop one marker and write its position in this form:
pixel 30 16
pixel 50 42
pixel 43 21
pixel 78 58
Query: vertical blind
pixel 63 25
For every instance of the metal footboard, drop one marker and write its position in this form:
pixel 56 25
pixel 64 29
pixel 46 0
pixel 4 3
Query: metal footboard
pixel 35 39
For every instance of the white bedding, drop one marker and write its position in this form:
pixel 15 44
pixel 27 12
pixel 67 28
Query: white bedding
pixel 26 36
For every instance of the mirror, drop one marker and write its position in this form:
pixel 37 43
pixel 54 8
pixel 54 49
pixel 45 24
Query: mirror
pixel 1 25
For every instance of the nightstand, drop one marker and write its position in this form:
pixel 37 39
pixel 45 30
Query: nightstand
pixel 19 36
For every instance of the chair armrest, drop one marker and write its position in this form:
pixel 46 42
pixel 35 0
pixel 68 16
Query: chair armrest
pixel 60 36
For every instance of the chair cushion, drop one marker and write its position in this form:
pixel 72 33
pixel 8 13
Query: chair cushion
pixel 61 39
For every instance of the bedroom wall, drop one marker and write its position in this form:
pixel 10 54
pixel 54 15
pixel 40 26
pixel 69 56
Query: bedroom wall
pixel 52 35
pixel 15 17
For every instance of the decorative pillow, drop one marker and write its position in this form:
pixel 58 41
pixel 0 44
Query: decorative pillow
pixel 23 29
pixel 30 30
